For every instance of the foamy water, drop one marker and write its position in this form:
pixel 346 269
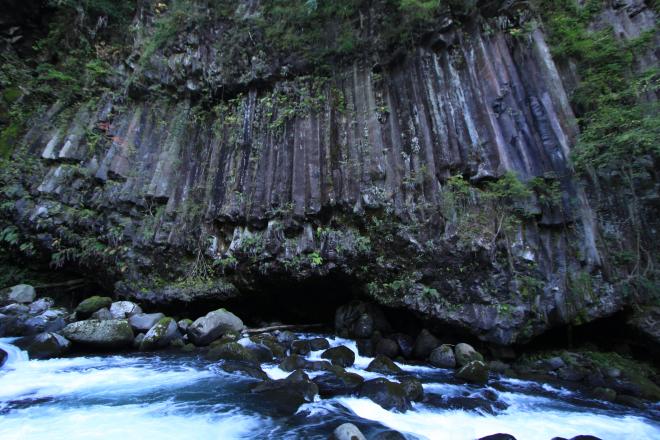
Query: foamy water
pixel 167 396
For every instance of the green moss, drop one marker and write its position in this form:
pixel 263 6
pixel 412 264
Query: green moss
pixel 637 372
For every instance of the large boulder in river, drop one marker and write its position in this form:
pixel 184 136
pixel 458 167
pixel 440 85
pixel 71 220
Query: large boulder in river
pixel 44 345
pixel 338 382
pixel 245 369
pixel 387 347
pixel 389 395
pixel 142 322
pixel 212 326
pixel 341 356
pixel 424 344
pixel 113 333
pixel 413 388
pixel 124 309
pixel 21 293
pixel 383 364
pixel 443 357
pixel 286 395
pixel 359 319
pixel 232 351
pixel 474 372
pixel 160 335
pixel 91 305
pixel 465 354
pixel 347 431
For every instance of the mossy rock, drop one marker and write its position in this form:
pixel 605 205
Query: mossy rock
pixel 87 307
pixel 232 351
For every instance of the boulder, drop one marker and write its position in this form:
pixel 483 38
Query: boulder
pixel 143 322
pixel 387 347
pixel 113 333
pixel 383 364
pixel 318 344
pixel 44 345
pixel 474 372
pixel 347 431
pixel 51 320
pixel 184 324
pixel 293 362
pixel 405 344
pixel 286 395
pixel 102 314
pixel 424 345
pixel 286 337
pixel 21 293
pixel 261 352
pixel 3 357
pixel 389 395
pixel 443 357
pixel 413 388
pixel 359 319
pixel 124 309
pixel 341 356
pixel 338 383
pixel 232 351
pixel 212 326
pixel 91 305
pixel 244 368
pixel 465 354
pixel 160 335
pixel 277 349
pixel 301 347
pixel 138 341
pixel 366 347
pixel 41 305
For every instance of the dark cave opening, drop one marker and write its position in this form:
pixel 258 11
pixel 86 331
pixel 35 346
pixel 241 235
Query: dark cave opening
pixel 298 302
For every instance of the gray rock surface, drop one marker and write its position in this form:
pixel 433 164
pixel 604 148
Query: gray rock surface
pixel 213 325
pixel 109 334
pixel 142 322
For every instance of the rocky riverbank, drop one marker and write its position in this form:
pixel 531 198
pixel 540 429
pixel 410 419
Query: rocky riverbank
pixel 312 366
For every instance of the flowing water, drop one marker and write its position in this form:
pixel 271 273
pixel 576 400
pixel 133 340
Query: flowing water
pixel 176 396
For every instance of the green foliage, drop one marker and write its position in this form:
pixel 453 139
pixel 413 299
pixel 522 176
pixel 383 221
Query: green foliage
pixel 315 259
pixel 487 214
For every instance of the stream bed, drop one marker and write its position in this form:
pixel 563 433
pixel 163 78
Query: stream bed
pixel 176 396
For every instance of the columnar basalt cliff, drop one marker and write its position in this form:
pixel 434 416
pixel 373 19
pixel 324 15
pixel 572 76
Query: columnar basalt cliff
pixel 434 178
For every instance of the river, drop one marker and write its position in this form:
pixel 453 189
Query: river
pixel 176 396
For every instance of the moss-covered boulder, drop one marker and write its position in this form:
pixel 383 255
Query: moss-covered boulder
pixel 232 351
pixel 474 372
pixel 413 388
pixel 465 354
pixel 338 382
pixel 109 334
pixel 389 395
pixel 87 307
pixel 383 364
pixel 286 395
pixel 160 335
pixel 341 356
pixel 443 357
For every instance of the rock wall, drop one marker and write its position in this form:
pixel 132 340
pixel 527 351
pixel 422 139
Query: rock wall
pixel 292 177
